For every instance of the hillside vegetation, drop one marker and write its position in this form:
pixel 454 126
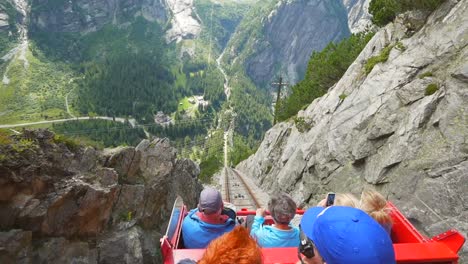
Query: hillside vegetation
pixel 101 133
pixel 325 69
pixel 37 92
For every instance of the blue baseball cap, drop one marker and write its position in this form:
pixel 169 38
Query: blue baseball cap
pixel 348 235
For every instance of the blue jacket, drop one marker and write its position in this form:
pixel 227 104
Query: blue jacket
pixel 198 234
pixel 268 236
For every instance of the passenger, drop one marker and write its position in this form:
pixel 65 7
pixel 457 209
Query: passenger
pixel 342 199
pixel 281 233
pixel 233 247
pixel 373 203
pixel 343 235
pixel 205 223
pixel 346 199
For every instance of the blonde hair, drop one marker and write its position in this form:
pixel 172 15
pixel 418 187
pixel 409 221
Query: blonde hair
pixel 236 246
pixel 346 199
pixel 374 204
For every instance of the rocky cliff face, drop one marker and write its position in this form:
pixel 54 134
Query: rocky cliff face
pixel 401 129
pixel 62 203
pixel 89 15
pixel 4 24
pixel 288 36
pixel 10 15
pixel 358 15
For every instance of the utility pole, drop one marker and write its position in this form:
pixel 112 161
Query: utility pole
pixel 280 84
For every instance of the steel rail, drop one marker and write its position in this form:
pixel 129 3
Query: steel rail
pixel 227 193
pixel 251 193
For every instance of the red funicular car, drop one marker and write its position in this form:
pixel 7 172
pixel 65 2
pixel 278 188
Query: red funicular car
pixel 410 245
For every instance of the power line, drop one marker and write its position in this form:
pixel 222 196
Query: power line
pixel 280 84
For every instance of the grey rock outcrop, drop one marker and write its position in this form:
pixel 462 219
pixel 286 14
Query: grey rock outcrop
pixel 359 18
pixel 78 204
pixel 15 246
pixel 4 20
pixel 60 250
pixel 124 245
pixel 391 132
pixel 185 22
pixel 4 16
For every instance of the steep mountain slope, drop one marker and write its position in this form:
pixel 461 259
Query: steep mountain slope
pixel 402 128
pixel 90 15
pixel 278 37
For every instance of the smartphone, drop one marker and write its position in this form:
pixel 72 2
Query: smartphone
pixel 330 199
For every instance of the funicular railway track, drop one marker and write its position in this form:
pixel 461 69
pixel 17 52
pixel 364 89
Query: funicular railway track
pixel 238 192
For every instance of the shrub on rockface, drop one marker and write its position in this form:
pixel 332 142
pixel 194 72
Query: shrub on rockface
pixel 382 57
pixel 426 74
pixel 325 69
pixel 4 138
pixel 384 11
pixel 431 89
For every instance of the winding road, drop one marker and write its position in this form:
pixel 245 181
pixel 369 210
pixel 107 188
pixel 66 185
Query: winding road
pixel 117 119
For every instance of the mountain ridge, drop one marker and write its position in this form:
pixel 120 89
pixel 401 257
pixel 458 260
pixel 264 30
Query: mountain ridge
pixel 283 38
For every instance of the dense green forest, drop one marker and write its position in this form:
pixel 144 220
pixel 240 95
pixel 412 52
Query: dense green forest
pixel 126 72
pixel 190 127
pixel 242 148
pixel 253 116
pixel 130 84
pixel 325 69
pixel 211 160
pixel 103 133
pixel 207 80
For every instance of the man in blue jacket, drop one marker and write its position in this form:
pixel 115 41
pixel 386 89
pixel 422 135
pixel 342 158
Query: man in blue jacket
pixel 205 223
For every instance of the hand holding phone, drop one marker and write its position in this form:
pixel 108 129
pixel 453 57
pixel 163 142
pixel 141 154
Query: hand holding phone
pixel 330 199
